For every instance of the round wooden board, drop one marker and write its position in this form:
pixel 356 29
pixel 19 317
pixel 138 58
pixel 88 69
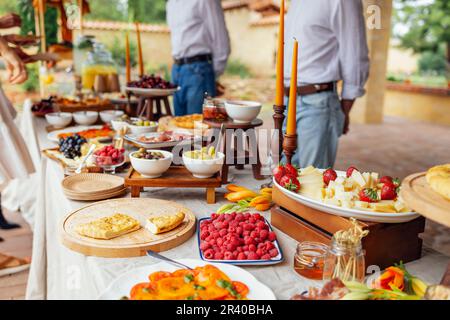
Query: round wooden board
pixel 133 244
pixel 418 195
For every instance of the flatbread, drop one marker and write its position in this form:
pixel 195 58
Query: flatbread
pixel 109 227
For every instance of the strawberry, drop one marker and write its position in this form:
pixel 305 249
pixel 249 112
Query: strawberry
pixel 290 182
pixel 291 170
pixel 329 175
pixel 387 179
pixel 350 171
pixel 388 191
pixel 278 173
pixel 368 195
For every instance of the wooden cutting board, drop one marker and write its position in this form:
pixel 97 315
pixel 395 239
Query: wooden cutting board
pixel 133 244
pixel 418 195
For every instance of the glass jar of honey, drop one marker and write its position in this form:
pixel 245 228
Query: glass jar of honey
pixel 309 259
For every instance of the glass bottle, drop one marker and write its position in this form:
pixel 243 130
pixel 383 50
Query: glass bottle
pixel 345 260
pixel 99 62
pixel 309 259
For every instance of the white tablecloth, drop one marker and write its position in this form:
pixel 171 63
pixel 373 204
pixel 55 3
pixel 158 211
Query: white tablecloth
pixel 59 273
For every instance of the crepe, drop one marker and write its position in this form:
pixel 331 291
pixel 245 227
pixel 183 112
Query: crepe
pixel 439 179
pixel 164 223
pixel 109 227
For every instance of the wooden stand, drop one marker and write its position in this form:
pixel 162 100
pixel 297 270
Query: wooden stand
pixel 385 245
pixel 175 177
pixel 249 153
pixel 151 107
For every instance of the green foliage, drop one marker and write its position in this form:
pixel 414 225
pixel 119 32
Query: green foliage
pixel 8 6
pixel 161 70
pixel 108 10
pixel 153 11
pixel 433 62
pixel 32 83
pixel 428 24
pixel 117 49
pixel 237 68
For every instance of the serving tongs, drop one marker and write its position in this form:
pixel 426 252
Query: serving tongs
pixel 156 255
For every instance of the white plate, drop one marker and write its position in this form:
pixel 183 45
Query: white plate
pixel 134 138
pixel 152 92
pixel 53 136
pixel 278 259
pixel 122 285
pixel 346 212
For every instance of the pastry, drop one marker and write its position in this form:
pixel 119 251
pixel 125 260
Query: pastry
pixel 109 227
pixel 439 179
pixel 164 223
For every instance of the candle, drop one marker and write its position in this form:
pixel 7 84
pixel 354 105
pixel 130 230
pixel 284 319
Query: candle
pixel 127 58
pixel 279 93
pixel 291 126
pixel 141 62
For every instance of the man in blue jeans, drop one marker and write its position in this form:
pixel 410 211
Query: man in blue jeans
pixel 200 48
pixel 332 47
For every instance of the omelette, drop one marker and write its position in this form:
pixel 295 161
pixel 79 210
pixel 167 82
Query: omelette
pixel 164 223
pixel 109 227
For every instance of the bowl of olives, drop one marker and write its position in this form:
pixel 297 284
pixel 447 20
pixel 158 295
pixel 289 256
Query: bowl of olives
pixel 151 163
pixel 138 126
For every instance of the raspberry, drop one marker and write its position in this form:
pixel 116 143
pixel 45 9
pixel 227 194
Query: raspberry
pixel 265 257
pixel 253 256
pixel 241 256
pixel 273 252
pixel 204 234
pixel 209 254
pixel 205 245
pixel 218 256
pixel 252 248
pixel 272 236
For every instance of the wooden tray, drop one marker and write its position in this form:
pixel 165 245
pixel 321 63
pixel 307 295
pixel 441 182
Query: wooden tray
pixel 133 244
pixel 90 169
pixel 386 244
pixel 418 195
pixel 175 177
pixel 76 108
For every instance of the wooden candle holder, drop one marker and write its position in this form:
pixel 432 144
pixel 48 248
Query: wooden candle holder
pixel 278 119
pixel 289 146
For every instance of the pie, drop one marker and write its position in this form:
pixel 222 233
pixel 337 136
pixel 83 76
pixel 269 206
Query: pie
pixel 164 223
pixel 439 179
pixel 109 227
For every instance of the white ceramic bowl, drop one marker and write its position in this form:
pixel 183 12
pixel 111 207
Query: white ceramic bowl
pixel 204 168
pixel 109 115
pixel 142 129
pixel 59 119
pixel 85 118
pixel 118 124
pixel 242 111
pixel 152 168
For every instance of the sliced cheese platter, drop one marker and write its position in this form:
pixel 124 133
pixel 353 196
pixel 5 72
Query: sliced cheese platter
pixel 312 194
pixel 125 227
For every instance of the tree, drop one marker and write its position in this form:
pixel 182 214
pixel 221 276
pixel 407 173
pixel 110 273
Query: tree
pixel 147 11
pixel 428 26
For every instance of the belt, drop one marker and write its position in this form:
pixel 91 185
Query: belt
pixel 197 58
pixel 312 88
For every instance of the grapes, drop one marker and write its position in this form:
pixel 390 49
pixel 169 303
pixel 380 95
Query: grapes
pixel 71 146
pixel 152 82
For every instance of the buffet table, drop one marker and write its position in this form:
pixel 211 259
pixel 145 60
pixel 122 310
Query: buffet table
pixel 59 273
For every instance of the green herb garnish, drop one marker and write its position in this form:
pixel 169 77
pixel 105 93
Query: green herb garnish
pixel 188 278
pixel 197 287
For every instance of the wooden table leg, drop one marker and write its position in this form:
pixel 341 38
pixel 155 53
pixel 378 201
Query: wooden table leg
pixel 135 191
pixel 210 195
pixel 167 106
pixel 158 109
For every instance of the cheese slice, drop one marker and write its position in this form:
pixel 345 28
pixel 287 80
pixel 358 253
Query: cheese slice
pixel 358 178
pixel 164 223
pixel 108 227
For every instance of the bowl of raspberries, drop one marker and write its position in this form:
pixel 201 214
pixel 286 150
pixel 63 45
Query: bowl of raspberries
pixel 238 238
pixel 109 158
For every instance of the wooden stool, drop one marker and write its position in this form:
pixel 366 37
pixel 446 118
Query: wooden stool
pixel 240 161
pixel 150 107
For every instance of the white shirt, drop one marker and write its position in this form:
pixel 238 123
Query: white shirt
pixel 332 44
pixel 198 27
